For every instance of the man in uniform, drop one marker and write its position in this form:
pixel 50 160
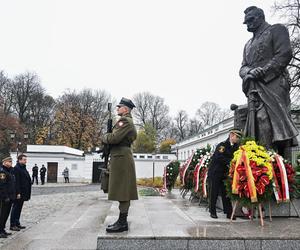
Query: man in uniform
pixel 218 171
pixel 122 177
pixel 7 193
pixel 35 171
pixel 266 83
pixel 43 171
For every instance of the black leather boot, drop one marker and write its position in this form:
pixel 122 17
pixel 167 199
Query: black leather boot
pixel 115 223
pixel 120 226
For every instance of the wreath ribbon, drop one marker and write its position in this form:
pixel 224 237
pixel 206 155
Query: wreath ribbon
pixel 243 159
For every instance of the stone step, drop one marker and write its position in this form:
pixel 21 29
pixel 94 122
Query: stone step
pixel 173 223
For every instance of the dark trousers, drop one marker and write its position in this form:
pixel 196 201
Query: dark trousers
pixel 16 212
pixel 217 185
pixel 4 213
pixel 36 179
pixel 67 180
pixel 43 179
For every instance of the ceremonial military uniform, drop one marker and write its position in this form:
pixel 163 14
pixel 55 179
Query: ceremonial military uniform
pixel 217 173
pixel 122 177
pixel 7 195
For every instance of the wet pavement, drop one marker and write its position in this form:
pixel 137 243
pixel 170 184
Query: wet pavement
pixel 174 223
pixel 60 220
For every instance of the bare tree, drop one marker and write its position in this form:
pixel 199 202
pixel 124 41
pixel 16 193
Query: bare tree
pixel 25 88
pixel 151 109
pixel 210 113
pixel 181 120
pixel 194 127
pixel 289 10
pixel 80 118
pixel 5 93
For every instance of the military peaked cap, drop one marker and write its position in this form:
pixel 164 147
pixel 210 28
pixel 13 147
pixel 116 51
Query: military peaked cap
pixel 126 102
pixel 7 159
pixel 238 132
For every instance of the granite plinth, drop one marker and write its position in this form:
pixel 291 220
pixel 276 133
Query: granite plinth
pixel 174 223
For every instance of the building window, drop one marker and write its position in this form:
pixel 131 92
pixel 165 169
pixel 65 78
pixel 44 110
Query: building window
pixel 157 157
pixel 149 156
pixel 134 156
pixel 165 157
pixel 142 157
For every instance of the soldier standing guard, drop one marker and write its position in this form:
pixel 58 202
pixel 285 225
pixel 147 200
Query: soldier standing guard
pixel 43 171
pixel 7 193
pixel 122 179
pixel 218 172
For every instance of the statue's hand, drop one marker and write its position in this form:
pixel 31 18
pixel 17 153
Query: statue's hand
pixel 257 72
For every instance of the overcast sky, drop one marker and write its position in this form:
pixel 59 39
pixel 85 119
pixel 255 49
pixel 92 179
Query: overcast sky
pixel 187 52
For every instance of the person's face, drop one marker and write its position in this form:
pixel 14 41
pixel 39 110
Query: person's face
pixel 23 161
pixel 253 21
pixel 234 138
pixel 7 164
pixel 121 110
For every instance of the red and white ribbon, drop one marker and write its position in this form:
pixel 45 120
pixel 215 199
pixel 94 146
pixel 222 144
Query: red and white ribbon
pixel 204 184
pixel 284 179
pixel 186 165
pixel 197 169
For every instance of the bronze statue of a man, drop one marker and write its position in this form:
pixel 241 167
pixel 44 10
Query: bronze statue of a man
pixel 266 82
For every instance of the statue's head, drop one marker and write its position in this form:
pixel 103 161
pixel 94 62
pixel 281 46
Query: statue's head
pixel 254 18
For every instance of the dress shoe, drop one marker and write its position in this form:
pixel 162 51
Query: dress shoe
pixel 214 216
pixel 14 228
pixel 3 235
pixel 21 227
pixel 6 233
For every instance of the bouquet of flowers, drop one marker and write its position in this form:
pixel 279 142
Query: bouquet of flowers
pixel 250 174
pixel 200 172
pixel 283 178
pixel 170 174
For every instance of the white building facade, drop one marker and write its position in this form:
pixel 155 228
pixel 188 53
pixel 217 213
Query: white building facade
pixel 216 134
pixel 212 136
pixel 85 168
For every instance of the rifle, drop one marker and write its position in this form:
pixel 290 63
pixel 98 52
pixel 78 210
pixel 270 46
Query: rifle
pixel 104 177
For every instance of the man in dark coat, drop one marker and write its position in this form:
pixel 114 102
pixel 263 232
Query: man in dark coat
pixel 218 171
pixel 23 190
pixel 7 193
pixel 122 177
pixel 35 171
pixel 266 82
pixel 43 171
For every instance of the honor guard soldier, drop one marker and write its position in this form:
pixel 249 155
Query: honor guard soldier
pixel 122 177
pixel 7 193
pixel 218 171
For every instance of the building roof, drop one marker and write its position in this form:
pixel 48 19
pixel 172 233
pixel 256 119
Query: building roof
pixel 53 149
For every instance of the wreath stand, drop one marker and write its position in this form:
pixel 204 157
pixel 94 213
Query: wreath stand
pixel 259 205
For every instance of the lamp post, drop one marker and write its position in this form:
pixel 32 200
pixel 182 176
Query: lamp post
pixel 19 143
pixel 153 166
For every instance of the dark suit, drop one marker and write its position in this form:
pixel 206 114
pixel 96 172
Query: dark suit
pixel 23 187
pixel 217 173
